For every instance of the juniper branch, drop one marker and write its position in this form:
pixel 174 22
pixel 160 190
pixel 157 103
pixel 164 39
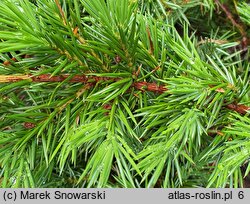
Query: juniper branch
pixel 92 80
pixel 235 20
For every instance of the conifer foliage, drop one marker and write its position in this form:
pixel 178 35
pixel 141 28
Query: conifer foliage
pixel 124 93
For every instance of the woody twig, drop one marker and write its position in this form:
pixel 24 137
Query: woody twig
pixel 92 80
pixel 235 20
pixel 61 12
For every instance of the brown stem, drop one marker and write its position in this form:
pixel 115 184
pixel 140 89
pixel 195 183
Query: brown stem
pixel 230 16
pixel 61 11
pixel 235 20
pixel 60 78
pixel 240 108
pixel 153 87
pixel 13 78
pixel 92 80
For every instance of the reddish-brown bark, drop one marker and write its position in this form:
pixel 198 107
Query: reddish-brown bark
pixel 92 80
pixel 240 108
